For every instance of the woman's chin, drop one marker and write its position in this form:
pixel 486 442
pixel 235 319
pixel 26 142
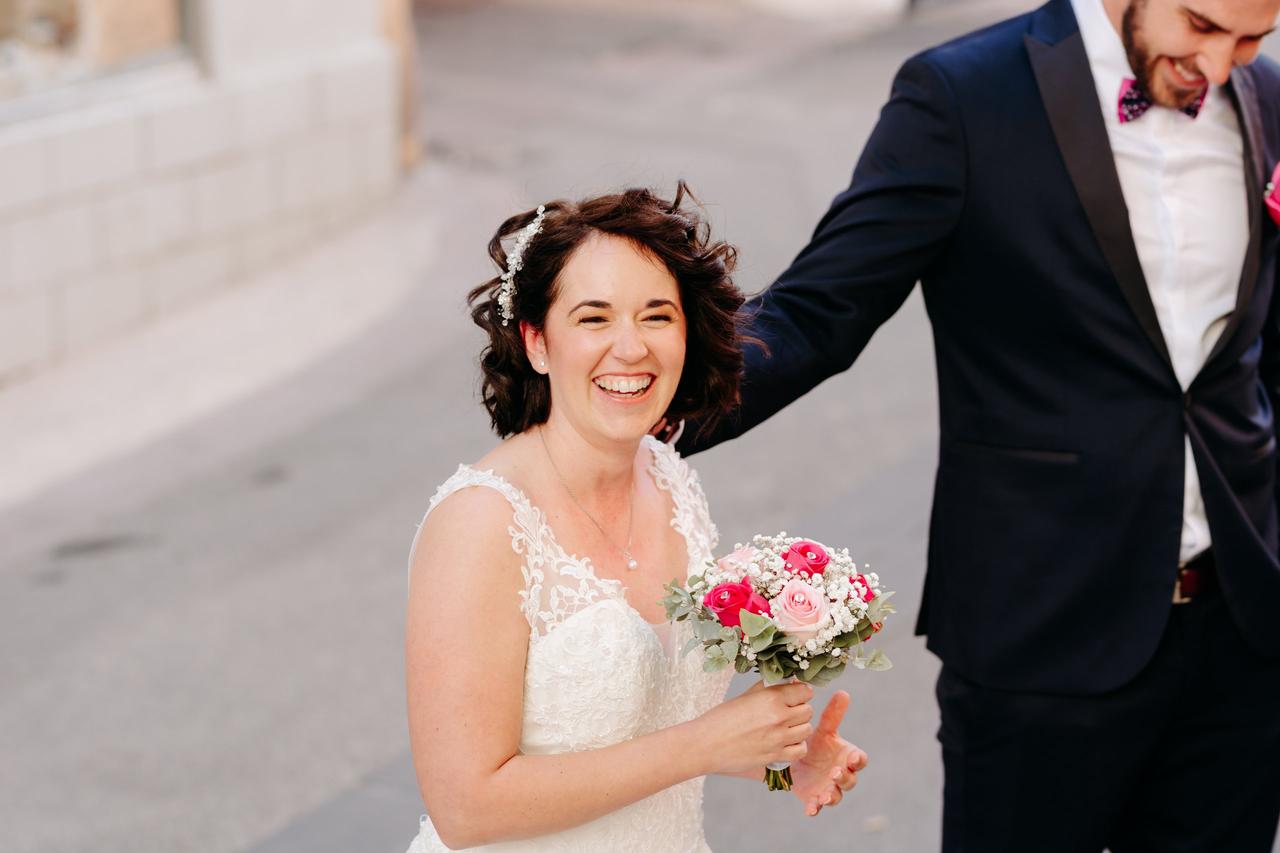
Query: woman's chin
pixel 629 420
pixel 630 429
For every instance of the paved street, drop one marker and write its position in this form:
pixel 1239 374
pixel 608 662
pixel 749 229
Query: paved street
pixel 201 638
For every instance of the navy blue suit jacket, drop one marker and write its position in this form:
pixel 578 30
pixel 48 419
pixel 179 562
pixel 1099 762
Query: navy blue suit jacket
pixel 1057 512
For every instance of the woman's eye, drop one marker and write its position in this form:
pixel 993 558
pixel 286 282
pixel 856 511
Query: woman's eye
pixel 666 318
pixel 591 319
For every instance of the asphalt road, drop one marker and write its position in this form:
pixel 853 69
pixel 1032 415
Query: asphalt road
pixel 200 642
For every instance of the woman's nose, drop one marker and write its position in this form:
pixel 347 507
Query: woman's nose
pixel 629 345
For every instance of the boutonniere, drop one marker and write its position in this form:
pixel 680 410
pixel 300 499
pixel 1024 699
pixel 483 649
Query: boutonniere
pixel 1273 195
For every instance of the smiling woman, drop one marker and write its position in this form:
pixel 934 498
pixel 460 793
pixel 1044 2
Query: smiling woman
pixel 569 720
pixel 656 244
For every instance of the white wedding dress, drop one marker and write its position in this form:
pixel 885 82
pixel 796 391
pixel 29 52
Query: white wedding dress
pixel 598 674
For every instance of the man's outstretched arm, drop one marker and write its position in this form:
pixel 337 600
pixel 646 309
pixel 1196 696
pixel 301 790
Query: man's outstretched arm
pixel 869 250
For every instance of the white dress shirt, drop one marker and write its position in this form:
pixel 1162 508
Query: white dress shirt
pixel 1183 182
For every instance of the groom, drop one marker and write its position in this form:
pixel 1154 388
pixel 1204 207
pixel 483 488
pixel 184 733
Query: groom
pixel 1080 192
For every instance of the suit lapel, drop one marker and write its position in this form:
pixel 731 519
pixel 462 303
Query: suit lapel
pixel 1245 98
pixel 1066 85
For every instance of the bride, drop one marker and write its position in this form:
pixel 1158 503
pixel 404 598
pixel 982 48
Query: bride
pixel 550 705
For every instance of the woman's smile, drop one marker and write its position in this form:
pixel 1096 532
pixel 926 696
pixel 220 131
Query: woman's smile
pixel 625 387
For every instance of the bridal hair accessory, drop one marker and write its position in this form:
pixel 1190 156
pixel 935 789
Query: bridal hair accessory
pixel 515 261
pixel 787 608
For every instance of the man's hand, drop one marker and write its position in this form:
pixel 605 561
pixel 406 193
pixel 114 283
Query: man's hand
pixel 831 765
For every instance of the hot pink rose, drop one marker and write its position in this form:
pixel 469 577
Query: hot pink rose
pixel 867 592
pixel 800 610
pixel 738 560
pixel 807 557
pixel 728 600
pixel 1273 196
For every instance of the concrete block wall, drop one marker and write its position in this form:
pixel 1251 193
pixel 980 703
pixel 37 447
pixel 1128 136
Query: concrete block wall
pixel 114 214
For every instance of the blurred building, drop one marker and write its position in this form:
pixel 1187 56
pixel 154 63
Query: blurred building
pixel 867 13
pixel 155 151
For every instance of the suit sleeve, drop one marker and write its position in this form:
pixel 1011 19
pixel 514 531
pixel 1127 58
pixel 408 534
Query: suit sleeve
pixel 866 254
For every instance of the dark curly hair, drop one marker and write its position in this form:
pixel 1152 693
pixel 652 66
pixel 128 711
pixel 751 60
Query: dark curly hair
pixel 518 397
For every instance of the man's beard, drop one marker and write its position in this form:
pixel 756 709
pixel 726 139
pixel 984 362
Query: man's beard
pixel 1136 53
pixel 1140 61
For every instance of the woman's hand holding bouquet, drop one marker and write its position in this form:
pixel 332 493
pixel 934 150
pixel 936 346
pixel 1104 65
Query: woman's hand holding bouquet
pixel 790 609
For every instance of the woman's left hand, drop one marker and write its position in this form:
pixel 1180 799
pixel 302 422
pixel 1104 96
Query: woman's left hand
pixel 831 765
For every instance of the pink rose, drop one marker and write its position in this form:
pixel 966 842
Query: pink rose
pixel 728 600
pixel 800 610
pixel 807 557
pixel 738 560
pixel 1273 196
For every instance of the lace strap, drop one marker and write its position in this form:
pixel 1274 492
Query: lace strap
pixel 525 529
pixel 692 516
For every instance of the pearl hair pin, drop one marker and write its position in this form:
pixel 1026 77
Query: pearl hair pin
pixel 515 262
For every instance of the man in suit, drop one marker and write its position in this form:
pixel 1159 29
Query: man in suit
pixel 1080 193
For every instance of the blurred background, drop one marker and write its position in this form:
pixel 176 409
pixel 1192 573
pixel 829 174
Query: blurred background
pixel 235 239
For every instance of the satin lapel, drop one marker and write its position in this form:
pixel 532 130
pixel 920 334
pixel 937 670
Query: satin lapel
pixel 1067 89
pixel 1245 98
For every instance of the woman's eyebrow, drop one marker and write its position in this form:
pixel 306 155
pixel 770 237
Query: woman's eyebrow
pixel 590 303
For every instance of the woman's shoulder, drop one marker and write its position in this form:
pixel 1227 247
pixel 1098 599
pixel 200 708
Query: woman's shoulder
pixel 473 490
pixel 485 497
pixel 474 487
pixel 470 522
pixel 491 482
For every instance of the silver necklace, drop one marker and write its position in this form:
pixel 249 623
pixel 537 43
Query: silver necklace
pixel 632 565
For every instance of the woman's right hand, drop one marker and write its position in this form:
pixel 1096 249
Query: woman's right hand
pixel 763 725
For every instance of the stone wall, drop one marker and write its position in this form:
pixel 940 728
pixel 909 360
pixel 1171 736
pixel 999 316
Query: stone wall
pixel 165 187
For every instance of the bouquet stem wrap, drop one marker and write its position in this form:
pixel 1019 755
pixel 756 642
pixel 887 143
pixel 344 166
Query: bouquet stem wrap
pixel 778 776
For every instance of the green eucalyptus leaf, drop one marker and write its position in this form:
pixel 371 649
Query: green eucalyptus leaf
pixel 879 662
pixel 704 630
pixel 763 640
pixel 817 662
pixel 754 624
pixel 771 671
pixel 846 639
pixel 823 677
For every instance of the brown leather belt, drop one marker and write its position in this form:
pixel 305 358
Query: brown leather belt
pixel 1197 577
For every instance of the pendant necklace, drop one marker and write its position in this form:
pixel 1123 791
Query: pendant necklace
pixel 632 565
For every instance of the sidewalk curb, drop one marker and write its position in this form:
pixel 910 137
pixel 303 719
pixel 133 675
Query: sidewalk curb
pixel 183 367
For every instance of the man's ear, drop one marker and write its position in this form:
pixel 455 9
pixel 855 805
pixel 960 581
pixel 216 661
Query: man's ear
pixel 535 346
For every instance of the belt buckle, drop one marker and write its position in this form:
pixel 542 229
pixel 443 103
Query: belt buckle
pixel 1178 597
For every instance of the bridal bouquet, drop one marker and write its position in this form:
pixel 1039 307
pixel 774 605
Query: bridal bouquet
pixel 787 608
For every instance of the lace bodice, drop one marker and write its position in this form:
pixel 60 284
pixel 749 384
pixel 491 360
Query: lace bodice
pixel 597 673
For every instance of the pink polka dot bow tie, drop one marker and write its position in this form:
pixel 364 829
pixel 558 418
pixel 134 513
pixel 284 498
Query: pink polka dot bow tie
pixel 1134 102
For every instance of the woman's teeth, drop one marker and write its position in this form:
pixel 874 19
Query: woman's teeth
pixel 624 385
